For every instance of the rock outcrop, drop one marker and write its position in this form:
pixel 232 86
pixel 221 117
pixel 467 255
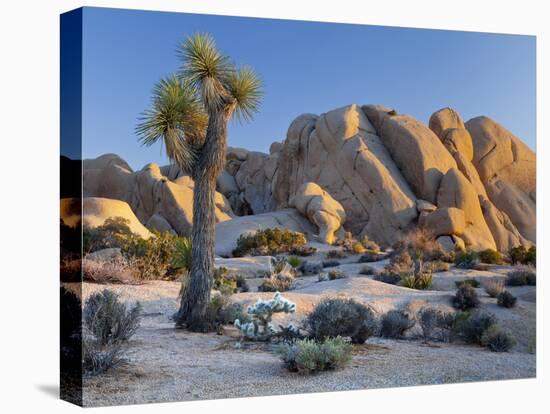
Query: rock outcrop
pixel 96 210
pixel 507 168
pixel 161 198
pixel 341 152
pixel 368 170
pixel 456 191
pixel 416 150
pixel 321 209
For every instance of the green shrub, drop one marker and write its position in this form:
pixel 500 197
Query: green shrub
pixel 393 112
pixel 341 317
pixel 307 356
pixel 490 256
pixel 395 323
pixel 153 258
pixel 269 242
pixel 521 277
pixel 465 298
pixel 472 282
pixel 497 339
pixel 114 232
pixel 506 300
pixel 493 287
pixel 222 282
pixel 521 255
pixel 294 261
pixel 181 257
pixel 421 281
pixel 466 259
pixel 108 319
pixel 471 326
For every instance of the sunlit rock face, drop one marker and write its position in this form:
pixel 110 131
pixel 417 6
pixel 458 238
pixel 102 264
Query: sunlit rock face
pixel 364 169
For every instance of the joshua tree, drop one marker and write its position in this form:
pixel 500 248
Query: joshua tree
pixel 190 114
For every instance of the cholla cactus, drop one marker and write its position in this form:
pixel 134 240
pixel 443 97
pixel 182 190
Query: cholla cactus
pixel 261 312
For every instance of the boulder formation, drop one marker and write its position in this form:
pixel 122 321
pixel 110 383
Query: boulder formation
pixel 96 210
pixel 160 198
pixel 321 209
pixel 363 169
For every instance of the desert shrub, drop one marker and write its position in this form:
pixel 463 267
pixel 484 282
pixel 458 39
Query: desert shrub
pixel 493 287
pixel 472 282
pixel 336 274
pixel 108 319
pixel 341 317
pixel 373 256
pixel 97 358
pixel 330 263
pixel 281 279
pixel 367 270
pixel 490 256
pixel 302 250
pixel 269 242
pixel 259 327
pixel 423 244
pixel 181 257
pixel 466 259
pixel 393 112
pixel 310 268
pixel 471 326
pixel 108 325
pixel 307 356
pixel 435 323
pixel 506 300
pixel 114 232
pixel 436 266
pixel 336 254
pixel 227 313
pixel 401 262
pixel 395 323
pixel 388 277
pixel 521 277
pixel 294 261
pixel 419 281
pixel 370 244
pixel 465 298
pixel 497 339
pixel 153 258
pixel 110 271
pixel 358 248
pixel 222 282
pixel 521 255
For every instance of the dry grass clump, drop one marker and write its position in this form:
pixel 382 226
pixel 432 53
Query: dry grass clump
pixel 493 287
pixel 109 271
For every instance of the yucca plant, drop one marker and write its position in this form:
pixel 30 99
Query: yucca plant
pixel 190 113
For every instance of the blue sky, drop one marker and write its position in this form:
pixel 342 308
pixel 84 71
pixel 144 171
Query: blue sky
pixel 306 67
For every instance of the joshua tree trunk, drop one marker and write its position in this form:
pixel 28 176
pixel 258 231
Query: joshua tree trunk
pixel 196 291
